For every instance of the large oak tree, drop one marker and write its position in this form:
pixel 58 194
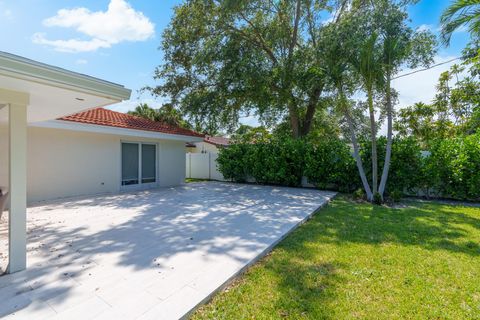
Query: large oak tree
pixel 225 59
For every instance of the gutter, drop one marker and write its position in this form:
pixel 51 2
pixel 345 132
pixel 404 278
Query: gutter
pixel 25 69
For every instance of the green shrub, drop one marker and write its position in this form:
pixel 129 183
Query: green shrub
pixel 231 162
pixel 325 163
pixel 276 162
pixel 405 164
pixel 395 195
pixel 377 198
pixel 359 194
pixel 453 168
pixel 329 164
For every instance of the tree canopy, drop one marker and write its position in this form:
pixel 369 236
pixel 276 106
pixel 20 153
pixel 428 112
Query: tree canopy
pixel 225 59
pixel 455 110
pixel 166 114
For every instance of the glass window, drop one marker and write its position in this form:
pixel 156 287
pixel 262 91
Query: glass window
pixel 149 170
pixel 130 164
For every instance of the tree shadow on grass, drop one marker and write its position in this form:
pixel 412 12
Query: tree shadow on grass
pixel 309 281
pixel 305 282
pixel 426 225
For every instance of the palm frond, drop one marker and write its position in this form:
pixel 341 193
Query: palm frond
pixel 460 13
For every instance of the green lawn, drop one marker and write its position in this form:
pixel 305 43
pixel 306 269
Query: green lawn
pixel 190 180
pixel 358 261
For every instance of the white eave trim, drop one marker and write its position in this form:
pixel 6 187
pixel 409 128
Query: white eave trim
pixel 22 68
pixel 93 128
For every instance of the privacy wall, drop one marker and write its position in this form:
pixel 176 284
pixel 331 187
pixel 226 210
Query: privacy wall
pixel 203 166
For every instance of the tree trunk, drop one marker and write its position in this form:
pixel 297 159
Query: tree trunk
pixel 294 122
pixel 311 109
pixel 388 151
pixel 373 129
pixel 356 155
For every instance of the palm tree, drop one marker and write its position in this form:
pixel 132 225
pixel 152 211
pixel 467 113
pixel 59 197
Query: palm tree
pixel 337 67
pixel 368 67
pixel 165 114
pixel 168 114
pixel 144 111
pixel 461 13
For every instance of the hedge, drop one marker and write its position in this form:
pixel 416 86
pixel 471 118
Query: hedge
pixel 284 162
pixel 406 163
pixel 452 170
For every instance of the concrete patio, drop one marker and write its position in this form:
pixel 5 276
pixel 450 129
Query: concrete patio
pixel 147 255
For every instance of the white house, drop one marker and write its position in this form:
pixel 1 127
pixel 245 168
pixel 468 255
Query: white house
pixel 99 151
pixel 208 145
pixel 57 141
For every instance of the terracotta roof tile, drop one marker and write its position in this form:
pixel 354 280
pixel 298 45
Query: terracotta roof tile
pixel 217 141
pixel 105 117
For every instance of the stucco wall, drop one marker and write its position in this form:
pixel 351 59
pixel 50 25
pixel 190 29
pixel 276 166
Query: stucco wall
pixel 63 163
pixel 171 163
pixel 203 147
pixel 3 156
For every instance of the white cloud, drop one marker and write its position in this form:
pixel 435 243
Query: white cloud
pixel 71 45
pixel 81 61
pixel 462 28
pixel 5 12
pixel 8 14
pixel 130 105
pixel 250 121
pixel 436 29
pixel 421 86
pixel 105 28
pixel 427 27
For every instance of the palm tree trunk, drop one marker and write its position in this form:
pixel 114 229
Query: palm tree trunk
pixel 388 151
pixel 374 142
pixel 356 155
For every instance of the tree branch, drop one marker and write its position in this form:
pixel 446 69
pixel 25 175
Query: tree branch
pixel 260 42
pixel 311 26
pixel 295 29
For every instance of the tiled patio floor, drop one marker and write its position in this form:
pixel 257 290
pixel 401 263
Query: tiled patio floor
pixel 146 255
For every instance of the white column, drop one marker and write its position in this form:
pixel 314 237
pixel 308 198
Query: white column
pixel 17 250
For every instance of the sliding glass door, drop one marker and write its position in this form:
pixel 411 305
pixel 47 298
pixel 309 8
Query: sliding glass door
pixel 149 169
pixel 139 163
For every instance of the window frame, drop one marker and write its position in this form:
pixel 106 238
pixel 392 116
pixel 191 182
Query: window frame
pixel 140 184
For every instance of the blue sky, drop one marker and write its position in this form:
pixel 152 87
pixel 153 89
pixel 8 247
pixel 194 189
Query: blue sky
pixel 71 34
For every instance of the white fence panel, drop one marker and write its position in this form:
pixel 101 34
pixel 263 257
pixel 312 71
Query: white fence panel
pixel 203 166
pixel 215 174
pixel 199 166
pixel 188 172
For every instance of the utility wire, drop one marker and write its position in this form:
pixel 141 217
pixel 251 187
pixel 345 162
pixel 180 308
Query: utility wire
pixel 435 65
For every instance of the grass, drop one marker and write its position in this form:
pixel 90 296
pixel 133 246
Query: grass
pixel 190 180
pixel 358 261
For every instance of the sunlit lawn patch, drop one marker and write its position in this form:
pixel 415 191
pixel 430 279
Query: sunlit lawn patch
pixel 358 261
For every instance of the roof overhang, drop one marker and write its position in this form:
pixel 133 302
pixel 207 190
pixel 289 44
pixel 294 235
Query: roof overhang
pixel 55 92
pixel 94 128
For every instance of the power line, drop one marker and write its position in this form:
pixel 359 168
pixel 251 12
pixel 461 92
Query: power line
pixel 435 65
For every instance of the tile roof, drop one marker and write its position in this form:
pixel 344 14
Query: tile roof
pixel 105 117
pixel 217 141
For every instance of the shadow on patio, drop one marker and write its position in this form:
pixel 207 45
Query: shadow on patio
pixel 147 237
